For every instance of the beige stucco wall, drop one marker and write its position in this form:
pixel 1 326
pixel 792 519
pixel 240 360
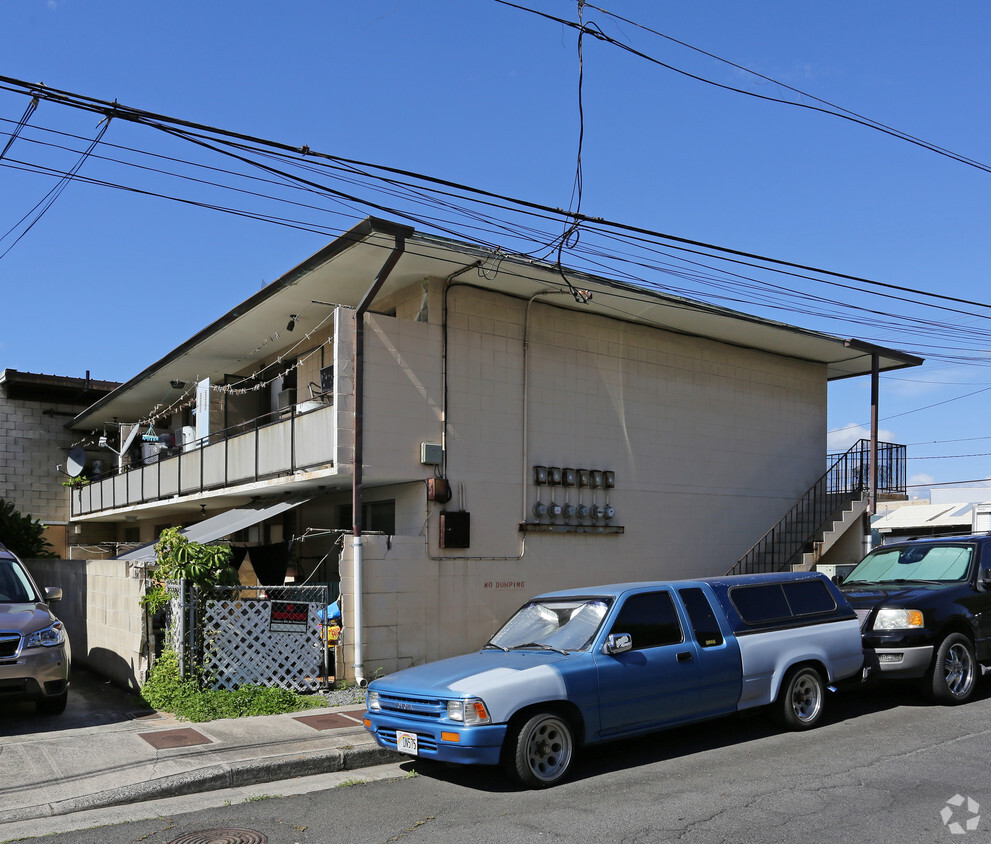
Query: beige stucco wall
pixel 711 444
pixel 851 547
pixel 101 613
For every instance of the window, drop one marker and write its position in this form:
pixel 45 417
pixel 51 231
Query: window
pixel 378 516
pixel 914 562
pixel 566 624
pixel 14 585
pixel 760 603
pixel 781 601
pixel 704 624
pixel 808 597
pixel 651 620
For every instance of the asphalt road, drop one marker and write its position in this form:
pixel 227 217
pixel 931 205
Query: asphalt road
pixel 881 768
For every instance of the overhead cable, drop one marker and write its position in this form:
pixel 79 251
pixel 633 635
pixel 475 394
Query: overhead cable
pixel 833 111
pixel 46 202
pixel 162 122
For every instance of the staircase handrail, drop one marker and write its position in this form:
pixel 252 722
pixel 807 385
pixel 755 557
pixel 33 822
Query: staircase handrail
pixel 843 482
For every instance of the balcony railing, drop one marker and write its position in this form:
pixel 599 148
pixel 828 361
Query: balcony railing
pixel 267 447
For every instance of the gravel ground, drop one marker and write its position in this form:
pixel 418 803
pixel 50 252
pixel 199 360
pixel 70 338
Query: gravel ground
pixel 348 696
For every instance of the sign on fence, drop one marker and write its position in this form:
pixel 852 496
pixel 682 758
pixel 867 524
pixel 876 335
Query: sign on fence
pixel 288 617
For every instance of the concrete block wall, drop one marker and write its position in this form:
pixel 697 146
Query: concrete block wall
pixel 32 444
pixel 101 611
pixel 710 444
pixel 403 397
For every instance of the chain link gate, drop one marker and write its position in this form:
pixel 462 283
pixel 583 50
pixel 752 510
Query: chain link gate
pixel 264 636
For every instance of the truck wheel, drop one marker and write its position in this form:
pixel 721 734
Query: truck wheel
pixel 953 677
pixel 539 752
pixel 799 703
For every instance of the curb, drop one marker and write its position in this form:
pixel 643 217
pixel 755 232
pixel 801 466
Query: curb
pixel 213 778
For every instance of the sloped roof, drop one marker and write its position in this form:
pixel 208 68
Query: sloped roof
pixel 926 516
pixel 343 271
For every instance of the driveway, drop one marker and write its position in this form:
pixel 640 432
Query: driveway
pixel 93 701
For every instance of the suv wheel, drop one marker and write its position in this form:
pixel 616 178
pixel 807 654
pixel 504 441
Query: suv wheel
pixel 953 676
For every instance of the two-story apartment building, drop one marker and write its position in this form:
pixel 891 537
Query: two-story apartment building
pixel 503 426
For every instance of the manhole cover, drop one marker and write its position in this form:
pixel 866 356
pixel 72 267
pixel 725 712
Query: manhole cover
pixel 165 739
pixel 222 836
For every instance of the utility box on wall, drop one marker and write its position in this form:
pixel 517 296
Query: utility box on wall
pixel 455 529
pixel 439 490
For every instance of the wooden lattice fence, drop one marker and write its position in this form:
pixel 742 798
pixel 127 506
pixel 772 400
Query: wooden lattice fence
pixel 265 635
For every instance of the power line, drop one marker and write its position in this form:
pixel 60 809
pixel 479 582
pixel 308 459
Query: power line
pixel 48 200
pixel 20 125
pixel 947 456
pixel 949 483
pixel 873 316
pixel 940 442
pixel 727 287
pixel 832 110
pixel 187 129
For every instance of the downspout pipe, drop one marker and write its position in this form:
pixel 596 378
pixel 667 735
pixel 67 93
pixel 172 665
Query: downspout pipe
pixel 525 484
pixel 400 233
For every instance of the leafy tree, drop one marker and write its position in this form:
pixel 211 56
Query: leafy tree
pixel 22 534
pixel 178 558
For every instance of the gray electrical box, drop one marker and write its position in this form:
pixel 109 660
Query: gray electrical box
pixel 431 454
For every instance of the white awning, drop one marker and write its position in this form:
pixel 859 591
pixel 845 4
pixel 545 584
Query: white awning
pixel 221 525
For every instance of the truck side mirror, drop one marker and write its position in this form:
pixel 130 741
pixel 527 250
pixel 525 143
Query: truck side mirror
pixel 837 579
pixel 985 579
pixel 617 643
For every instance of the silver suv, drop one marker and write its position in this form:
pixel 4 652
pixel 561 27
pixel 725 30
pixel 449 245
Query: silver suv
pixel 34 648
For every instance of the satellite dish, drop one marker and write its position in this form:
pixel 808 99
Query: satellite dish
pixel 129 439
pixel 76 461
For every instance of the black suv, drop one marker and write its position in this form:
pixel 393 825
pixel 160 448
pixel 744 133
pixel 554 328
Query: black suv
pixel 925 612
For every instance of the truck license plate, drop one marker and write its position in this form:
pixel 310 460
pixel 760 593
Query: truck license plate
pixel 406 742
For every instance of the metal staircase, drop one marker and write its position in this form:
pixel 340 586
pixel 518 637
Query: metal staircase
pixel 842 488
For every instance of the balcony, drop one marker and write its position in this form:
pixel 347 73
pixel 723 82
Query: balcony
pixel 280 445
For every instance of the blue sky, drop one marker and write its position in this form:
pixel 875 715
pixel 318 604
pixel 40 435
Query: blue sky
pixel 476 92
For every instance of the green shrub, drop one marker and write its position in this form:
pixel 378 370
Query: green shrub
pixel 165 690
pixel 22 534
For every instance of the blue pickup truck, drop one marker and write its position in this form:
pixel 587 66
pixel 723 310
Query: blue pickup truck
pixel 588 665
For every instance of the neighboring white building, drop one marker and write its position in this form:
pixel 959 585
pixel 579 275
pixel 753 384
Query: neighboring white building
pixel 951 511
pixel 685 430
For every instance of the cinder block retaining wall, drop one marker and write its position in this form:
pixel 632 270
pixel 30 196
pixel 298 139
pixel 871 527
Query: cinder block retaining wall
pixel 101 613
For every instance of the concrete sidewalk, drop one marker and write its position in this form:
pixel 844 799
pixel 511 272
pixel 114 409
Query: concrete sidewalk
pixel 105 752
